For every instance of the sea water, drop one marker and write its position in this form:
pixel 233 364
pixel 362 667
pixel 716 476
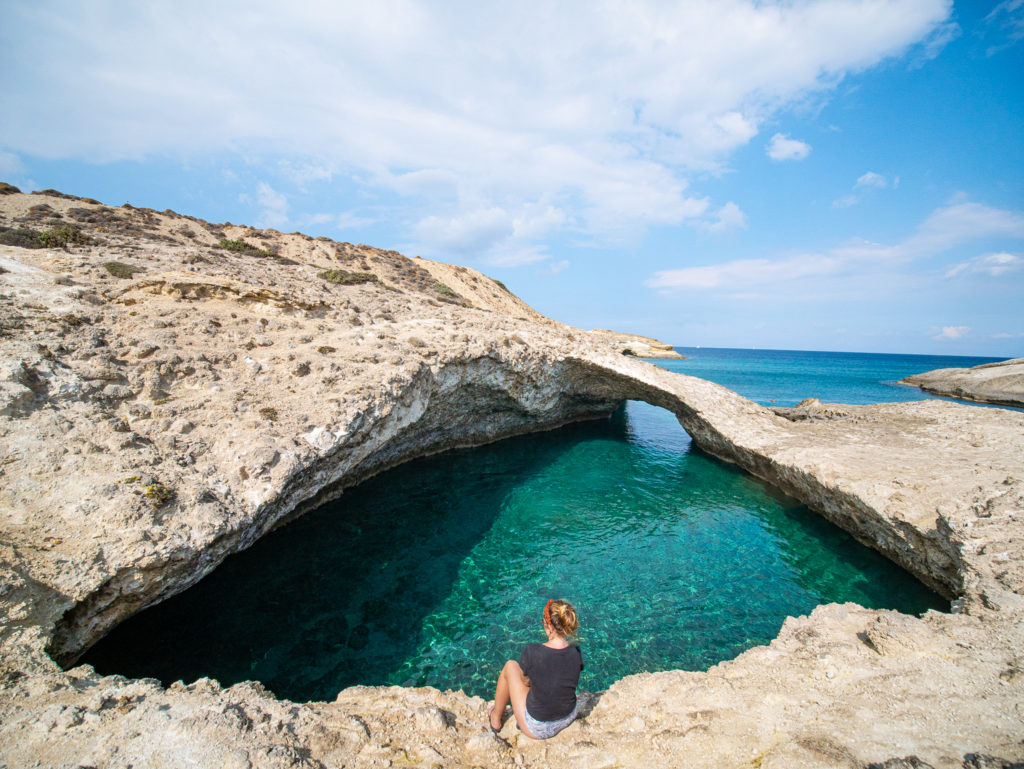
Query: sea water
pixel 785 377
pixel 436 572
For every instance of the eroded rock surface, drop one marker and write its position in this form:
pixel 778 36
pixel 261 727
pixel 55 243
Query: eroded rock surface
pixel 171 390
pixel 637 346
pixel 1001 382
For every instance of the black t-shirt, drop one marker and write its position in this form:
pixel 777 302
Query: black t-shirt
pixel 554 675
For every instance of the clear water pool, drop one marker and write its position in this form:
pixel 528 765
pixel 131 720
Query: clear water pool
pixel 436 572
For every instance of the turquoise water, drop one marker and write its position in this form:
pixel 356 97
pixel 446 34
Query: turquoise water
pixel 786 377
pixel 436 572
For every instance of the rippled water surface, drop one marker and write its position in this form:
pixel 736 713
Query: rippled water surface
pixel 436 572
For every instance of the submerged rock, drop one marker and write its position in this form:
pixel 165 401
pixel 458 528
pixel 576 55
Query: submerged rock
pixel 155 422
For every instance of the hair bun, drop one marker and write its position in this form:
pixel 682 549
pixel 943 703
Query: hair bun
pixel 562 617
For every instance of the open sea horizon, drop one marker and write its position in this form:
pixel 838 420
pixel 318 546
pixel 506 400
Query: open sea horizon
pixel 786 377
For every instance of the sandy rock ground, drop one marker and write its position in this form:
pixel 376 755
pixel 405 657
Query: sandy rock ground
pixel 1001 382
pixel 171 389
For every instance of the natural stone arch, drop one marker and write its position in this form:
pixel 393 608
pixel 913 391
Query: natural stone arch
pixel 468 401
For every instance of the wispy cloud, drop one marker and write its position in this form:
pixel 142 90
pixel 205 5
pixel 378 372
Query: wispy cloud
pixel 10 165
pixel 959 223
pixel 744 274
pixel 1009 16
pixel 781 147
pixel 992 265
pixel 871 179
pixel 950 333
pixel 728 217
pixel 472 232
pixel 865 182
pixel 555 268
pixel 271 205
pixel 349 220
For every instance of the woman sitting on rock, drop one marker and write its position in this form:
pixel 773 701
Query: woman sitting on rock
pixel 542 685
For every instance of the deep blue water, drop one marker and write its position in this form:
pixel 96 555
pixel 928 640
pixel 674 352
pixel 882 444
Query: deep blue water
pixel 436 572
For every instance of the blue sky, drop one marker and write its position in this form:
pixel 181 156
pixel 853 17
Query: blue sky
pixel 819 174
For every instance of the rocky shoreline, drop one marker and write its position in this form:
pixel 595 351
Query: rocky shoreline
pixel 172 389
pixel 1001 383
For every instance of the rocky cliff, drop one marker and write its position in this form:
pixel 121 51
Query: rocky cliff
pixel 172 389
pixel 1001 383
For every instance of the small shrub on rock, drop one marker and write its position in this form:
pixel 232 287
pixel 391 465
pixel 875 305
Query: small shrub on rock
pixel 158 494
pixel 57 237
pixel 269 413
pixel 63 236
pixel 121 270
pixel 344 277
pixel 326 349
pixel 22 237
pixel 241 247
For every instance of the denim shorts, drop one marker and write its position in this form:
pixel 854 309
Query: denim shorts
pixel 542 730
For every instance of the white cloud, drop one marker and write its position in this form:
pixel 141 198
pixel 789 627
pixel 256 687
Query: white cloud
pixel 598 112
pixel 1009 14
pixel 992 265
pixel 303 174
pixel 781 147
pixel 949 333
pixel 866 181
pixel 10 165
pixel 962 222
pixel 557 267
pixel 744 274
pixel 845 201
pixel 871 179
pixel 945 228
pixel 943 35
pixel 273 207
pixel 350 220
pixel 515 255
pixel 474 232
pixel 728 217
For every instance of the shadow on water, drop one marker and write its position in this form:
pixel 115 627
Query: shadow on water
pixel 338 597
pixel 434 573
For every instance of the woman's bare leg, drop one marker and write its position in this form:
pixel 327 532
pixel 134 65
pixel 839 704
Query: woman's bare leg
pixel 512 688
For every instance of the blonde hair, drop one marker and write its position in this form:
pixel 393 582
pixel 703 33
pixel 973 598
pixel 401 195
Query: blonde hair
pixel 561 615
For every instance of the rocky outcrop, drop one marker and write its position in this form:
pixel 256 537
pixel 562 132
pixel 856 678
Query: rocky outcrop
pixel 1001 383
pixel 636 346
pixel 174 389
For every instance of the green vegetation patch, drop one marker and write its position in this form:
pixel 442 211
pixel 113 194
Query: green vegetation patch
pixel 63 236
pixel 241 247
pixel 121 270
pixel 158 494
pixel 444 290
pixel 344 277
pixel 269 413
pixel 57 237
